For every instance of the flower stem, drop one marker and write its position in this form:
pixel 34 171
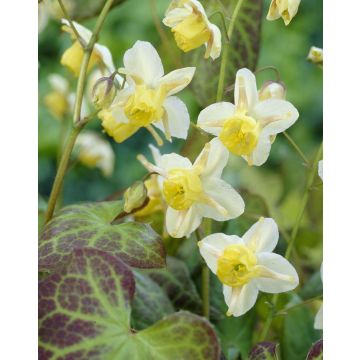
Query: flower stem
pixel 205 290
pixel 310 180
pixel 296 147
pixel 78 124
pixel 225 54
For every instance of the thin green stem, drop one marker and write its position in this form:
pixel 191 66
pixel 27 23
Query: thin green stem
pixel 225 54
pixel 78 124
pixel 68 18
pixel 205 290
pixel 310 180
pixel 296 147
pixel 223 23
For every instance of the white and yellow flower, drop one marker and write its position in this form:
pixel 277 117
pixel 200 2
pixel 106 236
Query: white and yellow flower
pixel 286 9
pixel 318 324
pixel 73 56
pixel 192 28
pixel 195 191
pixel 94 151
pixel 247 265
pixel 148 99
pixel 248 127
pixel 315 55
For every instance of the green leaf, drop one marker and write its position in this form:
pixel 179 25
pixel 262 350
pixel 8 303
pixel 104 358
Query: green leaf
pixel 316 351
pixel 84 314
pixel 150 302
pixel 298 333
pixel 243 52
pixel 176 281
pixel 264 350
pixel 89 225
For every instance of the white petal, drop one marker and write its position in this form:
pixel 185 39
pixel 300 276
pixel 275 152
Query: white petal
pixel 262 236
pixel 84 33
pixel 240 299
pixel 58 83
pixel 217 159
pixel 318 324
pixel 215 46
pixel 212 246
pixel 174 16
pixel 182 223
pixel 171 161
pixel 106 57
pixel 275 115
pixel 155 152
pixel 320 169
pixel 177 80
pixel 211 118
pixel 261 152
pixel 280 265
pixel 246 95
pixel 177 117
pixel 229 202
pixel 143 61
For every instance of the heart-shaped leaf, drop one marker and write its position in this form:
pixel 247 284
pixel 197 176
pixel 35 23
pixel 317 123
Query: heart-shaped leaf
pixel 264 350
pixel 316 351
pixel 84 314
pixel 89 225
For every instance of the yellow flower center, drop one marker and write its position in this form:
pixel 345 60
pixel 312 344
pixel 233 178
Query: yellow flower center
pixel 240 134
pixel 57 104
pixel 192 32
pixel 182 188
pixel 145 105
pixel 89 159
pixel 236 266
pixel 73 56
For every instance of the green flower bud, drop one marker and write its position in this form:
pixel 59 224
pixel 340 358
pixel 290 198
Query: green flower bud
pixel 103 93
pixel 135 196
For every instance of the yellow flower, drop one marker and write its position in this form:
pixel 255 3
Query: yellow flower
pixel 286 9
pixel 315 55
pixel 73 56
pixel 147 99
pixel 191 27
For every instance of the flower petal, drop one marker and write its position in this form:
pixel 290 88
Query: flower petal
pixel 261 152
pixel 212 246
pixel 182 223
pixel 281 266
pixel 155 152
pixel 106 57
pixel 176 80
pixel 82 30
pixel 215 43
pixel 143 62
pixel 320 169
pixel 246 95
pixel 228 204
pixel 240 299
pixel 176 15
pixel 275 115
pixel 262 236
pixel 318 324
pixel 212 117
pixel 171 161
pixel 177 116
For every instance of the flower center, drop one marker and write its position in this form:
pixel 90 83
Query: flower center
pixel 145 105
pixel 192 32
pixel 182 188
pixel 240 134
pixel 236 266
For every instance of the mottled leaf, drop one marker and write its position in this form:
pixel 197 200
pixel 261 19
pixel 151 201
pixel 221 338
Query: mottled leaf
pixel 264 350
pixel 298 333
pixel 150 303
pixel 84 314
pixel 89 225
pixel 316 351
pixel 243 49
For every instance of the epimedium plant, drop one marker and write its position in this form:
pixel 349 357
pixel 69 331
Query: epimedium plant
pixel 112 284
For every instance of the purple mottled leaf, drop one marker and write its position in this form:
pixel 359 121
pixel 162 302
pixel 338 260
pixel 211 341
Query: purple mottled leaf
pixel 264 350
pixel 316 351
pixel 89 225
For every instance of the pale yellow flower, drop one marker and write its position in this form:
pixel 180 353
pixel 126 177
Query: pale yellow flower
pixel 286 9
pixel 192 28
pixel 315 55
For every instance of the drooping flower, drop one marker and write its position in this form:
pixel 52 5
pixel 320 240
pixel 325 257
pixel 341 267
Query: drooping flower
pixel 59 99
pixel 192 28
pixel 73 56
pixel 248 127
pixel 247 265
pixel 147 101
pixel 320 169
pixel 315 55
pixel 195 191
pixel 94 151
pixel 318 324
pixel 286 9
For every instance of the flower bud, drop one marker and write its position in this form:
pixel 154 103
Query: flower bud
pixel 315 55
pixel 135 196
pixel 272 90
pixel 103 92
